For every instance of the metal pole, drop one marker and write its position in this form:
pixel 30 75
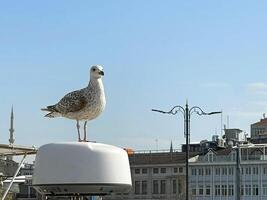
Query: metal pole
pixel 187 150
pixel 186 112
pixel 237 172
pixel 16 173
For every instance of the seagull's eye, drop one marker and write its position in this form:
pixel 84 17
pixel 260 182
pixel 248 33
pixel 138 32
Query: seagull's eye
pixel 93 69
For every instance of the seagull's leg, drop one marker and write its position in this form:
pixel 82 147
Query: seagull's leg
pixel 84 129
pixel 78 129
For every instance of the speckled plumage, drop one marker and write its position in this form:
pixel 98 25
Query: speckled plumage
pixel 84 104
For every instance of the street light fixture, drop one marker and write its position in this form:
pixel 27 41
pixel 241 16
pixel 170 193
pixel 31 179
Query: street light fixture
pixel 187 114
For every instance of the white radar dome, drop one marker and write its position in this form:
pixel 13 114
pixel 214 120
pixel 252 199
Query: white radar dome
pixel 81 168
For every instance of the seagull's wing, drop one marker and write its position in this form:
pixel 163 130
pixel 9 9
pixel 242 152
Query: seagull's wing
pixel 71 102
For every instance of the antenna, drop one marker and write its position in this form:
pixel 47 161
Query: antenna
pixel 221 124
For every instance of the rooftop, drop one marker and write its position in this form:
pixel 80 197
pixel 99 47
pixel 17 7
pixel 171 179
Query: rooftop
pixel 148 158
pixel 261 122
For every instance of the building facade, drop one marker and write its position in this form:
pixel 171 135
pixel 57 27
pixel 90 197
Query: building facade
pixel 156 175
pixel 213 176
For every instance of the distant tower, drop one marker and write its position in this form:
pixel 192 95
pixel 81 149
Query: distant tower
pixel 11 130
pixel 171 148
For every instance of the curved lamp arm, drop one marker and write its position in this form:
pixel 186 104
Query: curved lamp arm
pixel 173 111
pixel 199 111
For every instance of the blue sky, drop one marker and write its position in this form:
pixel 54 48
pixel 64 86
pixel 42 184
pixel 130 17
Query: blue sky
pixel 156 54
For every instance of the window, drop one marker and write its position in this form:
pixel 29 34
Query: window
pixel 200 190
pixel 208 190
pixel 255 190
pixel 230 190
pixel 194 171
pixel 155 186
pixel 230 171
pixel 144 171
pixel 175 170
pixel 163 187
pixel 217 190
pixel 248 170
pixel 180 170
pixel 224 171
pixel 174 186
pixel 155 170
pixel 144 187
pixel 210 157
pixel 224 190
pixel 163 170
pixel 255 170
pixel 265 170
pixel 247 190
pixel 194 191
pixel 207 171
pixel 200 171
pixel 137 187
pixel 137 171
pixel 217 171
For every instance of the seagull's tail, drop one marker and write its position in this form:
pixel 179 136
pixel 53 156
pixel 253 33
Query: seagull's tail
pixel 53 115
pixel 52 111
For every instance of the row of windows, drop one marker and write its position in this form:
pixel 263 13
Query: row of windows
pixel 201 190
pixel 228 190
pixel 138 171
pixel 249 170
pixel 257 131
pixel 227 171
pixel 220 190
pixel 158 187
pixel 224 190
pixel 207 171
pixel 204 171
pixel 248 190
pixel 161 170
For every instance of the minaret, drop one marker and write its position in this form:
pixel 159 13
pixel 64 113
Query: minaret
pixel 171 148
pixel 11 130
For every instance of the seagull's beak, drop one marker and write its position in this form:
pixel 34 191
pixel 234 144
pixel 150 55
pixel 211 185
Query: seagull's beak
pixel 101 73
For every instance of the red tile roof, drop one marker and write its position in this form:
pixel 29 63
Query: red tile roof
pixel 261 122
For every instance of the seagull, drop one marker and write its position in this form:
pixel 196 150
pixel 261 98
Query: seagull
pixel 84 104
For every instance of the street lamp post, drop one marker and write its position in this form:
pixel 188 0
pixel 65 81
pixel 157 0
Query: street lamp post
pixel 187 114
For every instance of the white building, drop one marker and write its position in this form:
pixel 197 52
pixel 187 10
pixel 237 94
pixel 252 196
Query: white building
pixel 213 175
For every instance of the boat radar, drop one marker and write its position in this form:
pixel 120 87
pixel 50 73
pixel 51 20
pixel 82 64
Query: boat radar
pixel 81 168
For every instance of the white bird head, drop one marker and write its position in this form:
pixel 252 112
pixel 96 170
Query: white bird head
pixel 96 71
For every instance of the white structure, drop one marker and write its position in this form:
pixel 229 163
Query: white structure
pixel 79 168
pixel 213 175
